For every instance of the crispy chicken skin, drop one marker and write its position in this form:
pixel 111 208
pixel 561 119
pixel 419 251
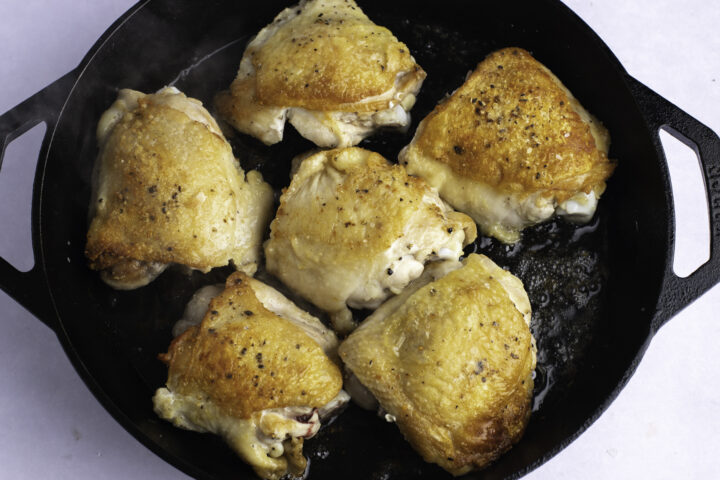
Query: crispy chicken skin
pixel 253 377
pixel 353 229
pixel 450 360
pixel 329 70
pixel 511 147
pixel 167 189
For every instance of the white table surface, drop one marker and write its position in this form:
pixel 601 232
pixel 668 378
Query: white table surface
pixel 663 425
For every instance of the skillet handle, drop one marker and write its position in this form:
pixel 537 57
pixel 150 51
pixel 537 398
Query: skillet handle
pixel 29 288
pixel 677 293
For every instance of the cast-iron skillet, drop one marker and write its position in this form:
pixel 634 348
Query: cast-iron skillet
pixel 599 292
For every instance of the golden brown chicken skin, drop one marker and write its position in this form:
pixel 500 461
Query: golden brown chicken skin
pixel 253 377
pixel 450 360
pixel 511 147
pixel 167 189
pixel 353 229
pixel 328 69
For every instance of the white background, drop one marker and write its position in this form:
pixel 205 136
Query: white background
pixel 665 423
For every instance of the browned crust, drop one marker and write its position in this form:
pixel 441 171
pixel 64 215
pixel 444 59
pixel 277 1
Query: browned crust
pixel 247 359
pixel 458 408
pixel 366 213
pixel 330 57
pixel 485 438
pixel 156 163
pixel 514 126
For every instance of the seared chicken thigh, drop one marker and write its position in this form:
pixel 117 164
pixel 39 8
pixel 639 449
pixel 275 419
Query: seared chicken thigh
pixel 511 147
pixel 451 360
pixel 327 69
pixel 353 229
pixel 167 189
pixel 271 299
pixel 253 372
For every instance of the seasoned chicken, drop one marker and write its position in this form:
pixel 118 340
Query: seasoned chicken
pixel 167 189
pixel 353 229
pixel 511 147
pixel 253 372
pixel 271 299
pixel 327 69
pixel 451 360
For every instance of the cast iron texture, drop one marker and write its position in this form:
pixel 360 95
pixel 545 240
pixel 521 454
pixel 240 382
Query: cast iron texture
pixel 598 292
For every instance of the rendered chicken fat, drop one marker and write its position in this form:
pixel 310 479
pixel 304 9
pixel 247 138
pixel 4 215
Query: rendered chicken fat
pixel 167 189
pixel 450 361
pixel 257 378
pixel 328 70
pixel 512 147
pixel 352 229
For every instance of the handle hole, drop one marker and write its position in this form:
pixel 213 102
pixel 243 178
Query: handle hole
pixel 17 173
pixel 692 215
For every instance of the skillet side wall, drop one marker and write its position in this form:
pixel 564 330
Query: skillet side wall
pixel 113 337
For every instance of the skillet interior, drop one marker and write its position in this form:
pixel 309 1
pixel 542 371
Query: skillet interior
pixel 593 289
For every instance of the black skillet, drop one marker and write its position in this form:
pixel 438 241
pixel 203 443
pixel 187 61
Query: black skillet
pixel 599 292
